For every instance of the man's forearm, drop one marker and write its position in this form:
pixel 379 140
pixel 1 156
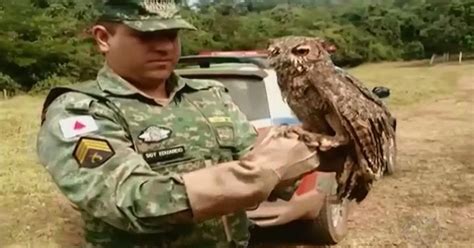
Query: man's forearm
pixel 227 188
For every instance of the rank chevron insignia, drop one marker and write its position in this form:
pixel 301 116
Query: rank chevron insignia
pixel 92 152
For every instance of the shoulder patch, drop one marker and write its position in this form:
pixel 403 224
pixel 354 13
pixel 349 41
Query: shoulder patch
pixel 85 88
pixel 77 125
pixel 92 152
pixel 80 104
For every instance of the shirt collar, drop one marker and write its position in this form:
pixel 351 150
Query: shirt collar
pixel 112 83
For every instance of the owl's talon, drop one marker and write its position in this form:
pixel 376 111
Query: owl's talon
pixel 313 144
pixel 308 139
pixel 322 142
pixel 296 130
pixel 312 140
pixel 285 131
pixel 327 144
pixel 325 148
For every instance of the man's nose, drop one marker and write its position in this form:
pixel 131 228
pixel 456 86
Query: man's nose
pixel 164 43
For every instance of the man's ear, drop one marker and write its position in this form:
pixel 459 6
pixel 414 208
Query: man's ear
pixel 102 38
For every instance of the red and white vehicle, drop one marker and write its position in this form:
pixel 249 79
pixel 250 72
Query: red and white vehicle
pixel 307 215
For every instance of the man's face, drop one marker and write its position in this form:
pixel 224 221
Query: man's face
pixel 144 58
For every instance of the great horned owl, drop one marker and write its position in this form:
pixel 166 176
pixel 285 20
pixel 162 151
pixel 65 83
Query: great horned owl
pixel 337 113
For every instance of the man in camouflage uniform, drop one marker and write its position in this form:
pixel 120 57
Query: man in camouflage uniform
pixel 152 159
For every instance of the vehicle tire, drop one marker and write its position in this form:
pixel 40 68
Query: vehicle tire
pixel 330 227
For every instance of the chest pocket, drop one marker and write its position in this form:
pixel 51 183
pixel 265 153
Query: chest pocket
pixel 216 113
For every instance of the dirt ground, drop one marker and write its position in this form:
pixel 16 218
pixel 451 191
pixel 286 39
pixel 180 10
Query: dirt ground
pixel 429 202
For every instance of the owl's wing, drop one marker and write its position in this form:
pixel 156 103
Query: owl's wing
pixel 366 122
pixel 385 119
pixel 364 90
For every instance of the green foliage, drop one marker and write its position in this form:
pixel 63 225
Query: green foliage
pixel 38 42
pixel 50 82
pixel 363 31
pixel 413 50
pixel 7 83
pixel 44 42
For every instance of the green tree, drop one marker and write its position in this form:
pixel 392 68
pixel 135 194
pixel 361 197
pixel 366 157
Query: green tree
pixel 46 42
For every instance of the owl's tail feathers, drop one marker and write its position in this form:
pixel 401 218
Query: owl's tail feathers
pixel 353 183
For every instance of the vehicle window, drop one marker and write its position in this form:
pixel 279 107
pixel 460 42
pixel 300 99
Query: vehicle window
pixel 249 94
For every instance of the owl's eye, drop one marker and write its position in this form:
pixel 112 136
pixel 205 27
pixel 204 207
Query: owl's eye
pixel 300 50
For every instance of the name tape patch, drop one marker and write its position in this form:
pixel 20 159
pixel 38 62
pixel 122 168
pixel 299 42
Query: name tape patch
pixel 164 154
pixel 219 119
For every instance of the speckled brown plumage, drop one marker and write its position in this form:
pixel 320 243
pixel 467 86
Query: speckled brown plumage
pixel 336 111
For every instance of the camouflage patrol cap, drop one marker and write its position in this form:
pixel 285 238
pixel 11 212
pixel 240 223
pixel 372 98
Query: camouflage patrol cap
pixel 144 15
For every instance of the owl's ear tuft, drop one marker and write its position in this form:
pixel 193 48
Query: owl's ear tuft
pixel 329 46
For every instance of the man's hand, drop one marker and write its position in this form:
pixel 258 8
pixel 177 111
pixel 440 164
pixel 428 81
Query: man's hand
pixel 238 185
pixel 283 152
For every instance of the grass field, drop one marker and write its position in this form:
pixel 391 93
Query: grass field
pixel 32 212
pixel 412 82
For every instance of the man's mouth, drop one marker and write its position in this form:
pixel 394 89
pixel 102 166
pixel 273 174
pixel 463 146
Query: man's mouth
pixel 159 62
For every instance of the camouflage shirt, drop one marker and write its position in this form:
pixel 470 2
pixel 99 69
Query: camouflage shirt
pixel 118 156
